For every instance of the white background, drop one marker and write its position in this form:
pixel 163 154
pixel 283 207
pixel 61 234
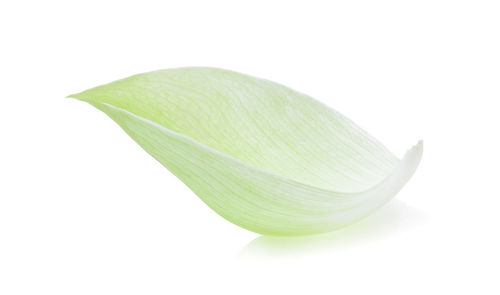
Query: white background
pixel 83 210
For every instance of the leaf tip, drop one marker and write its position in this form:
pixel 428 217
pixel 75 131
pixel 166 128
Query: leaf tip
pixel 414 154
pixel 420 145
pixel 79 96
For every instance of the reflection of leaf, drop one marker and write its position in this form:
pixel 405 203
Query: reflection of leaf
pixel 263 156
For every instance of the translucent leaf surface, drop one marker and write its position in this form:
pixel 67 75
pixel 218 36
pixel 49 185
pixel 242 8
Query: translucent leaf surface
pixel 263 156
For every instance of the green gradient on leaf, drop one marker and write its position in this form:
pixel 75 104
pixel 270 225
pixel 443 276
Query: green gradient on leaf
pixel 263 156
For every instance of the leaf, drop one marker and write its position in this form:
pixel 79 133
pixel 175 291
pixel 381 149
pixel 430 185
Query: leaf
pixel 263 156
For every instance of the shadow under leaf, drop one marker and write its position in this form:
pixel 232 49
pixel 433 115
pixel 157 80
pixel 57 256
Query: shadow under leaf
pixel 388 220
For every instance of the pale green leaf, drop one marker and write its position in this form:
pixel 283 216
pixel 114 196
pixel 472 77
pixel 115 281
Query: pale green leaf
pixel 263 156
